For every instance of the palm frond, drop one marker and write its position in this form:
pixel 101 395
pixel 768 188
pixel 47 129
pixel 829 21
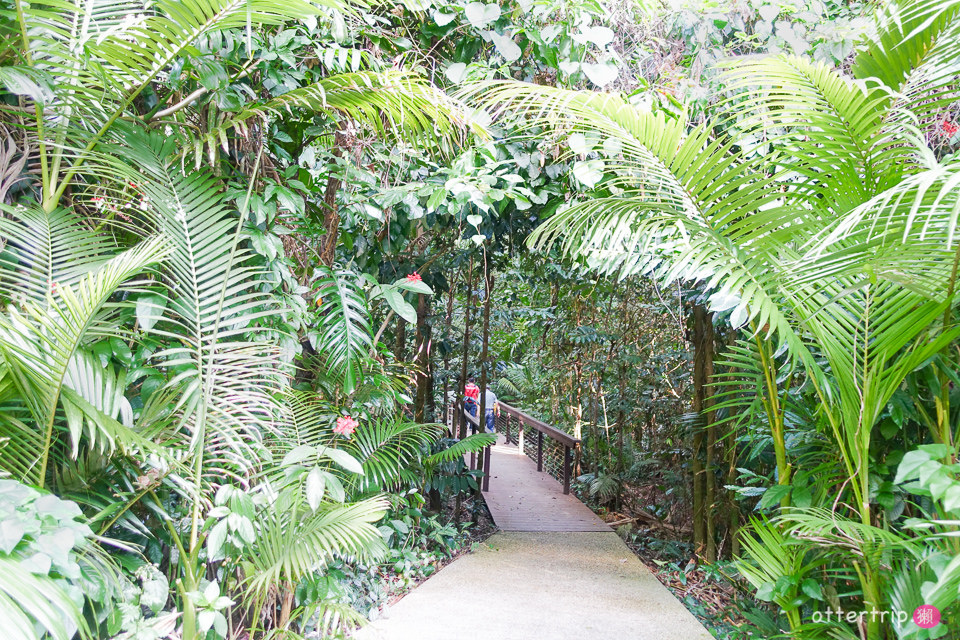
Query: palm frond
pixel 293 542
pixel 344 335
pixel 471 444
pixel 391 103
pixel 386 447
pixel 229 378
pixel 39 343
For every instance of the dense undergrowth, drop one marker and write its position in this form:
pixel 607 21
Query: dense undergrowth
pixel 250 251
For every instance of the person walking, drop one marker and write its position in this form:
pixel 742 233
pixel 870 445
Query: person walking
pixel 471 397
pixel 492 410
pixel 472 390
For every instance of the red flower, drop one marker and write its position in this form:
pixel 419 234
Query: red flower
pixel 345 425
pixel 949 128
pixel 414 277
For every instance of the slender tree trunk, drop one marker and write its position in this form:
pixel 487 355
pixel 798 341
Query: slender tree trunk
pixel 401 338
pixel 447 327
pixel 331 213
pixel 466 346
pixel 710 472
pixel 700 320
pixel 422 358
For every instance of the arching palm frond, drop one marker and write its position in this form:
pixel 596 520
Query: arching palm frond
pixel 393 104
pixel 44 251
pixel 228 377
pixel 471 444
pixel 294 542
pixel 914 54
pixel 836 133
pixel 39 343
pixel 100 55
pixel 344 335
pixel 387 447
pixel 693 202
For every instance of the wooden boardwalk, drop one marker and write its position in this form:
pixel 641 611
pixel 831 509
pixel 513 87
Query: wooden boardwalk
pixel 521 498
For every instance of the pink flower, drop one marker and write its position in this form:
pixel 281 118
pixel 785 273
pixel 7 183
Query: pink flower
pixel 948 127
pixel 345 425
pixel 414 277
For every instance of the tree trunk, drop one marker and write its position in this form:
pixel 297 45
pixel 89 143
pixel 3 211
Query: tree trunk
pixel 401 338
pixel 466 346
pixel 701 319
pixel 422 357
pixel 710 471
pixel 447 327
pixel 331 213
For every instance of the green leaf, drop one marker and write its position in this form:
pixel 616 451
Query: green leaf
pixel 812 588
pixel 774 494
pixel 600 74
pixel 315 487
pixel 588 172
pixel 443 19
pixel 299 454
pixel 150 310
pixel 506 47
pixel 416 286
pixel 480 15
pixel 218 535
pixel 600 36
pixel 11 533
pixel 400 306
pixel 342 458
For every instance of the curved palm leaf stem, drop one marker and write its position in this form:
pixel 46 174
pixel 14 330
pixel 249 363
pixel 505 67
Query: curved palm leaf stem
pixel 945 434
pixel 774 413
pixel 198 468
pixel 38 109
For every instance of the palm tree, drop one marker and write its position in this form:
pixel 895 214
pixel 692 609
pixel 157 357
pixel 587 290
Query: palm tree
pixel 80 67
pixel 840 244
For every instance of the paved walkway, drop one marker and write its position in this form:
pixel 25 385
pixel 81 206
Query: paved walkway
pixel 574 579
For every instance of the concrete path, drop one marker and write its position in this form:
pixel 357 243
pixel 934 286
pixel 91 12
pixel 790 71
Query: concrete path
pixel 573 580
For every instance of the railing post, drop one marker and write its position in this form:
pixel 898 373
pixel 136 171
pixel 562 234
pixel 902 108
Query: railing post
pixel 566 469
pixel 486 470
pixel 539 450
pixel 506 419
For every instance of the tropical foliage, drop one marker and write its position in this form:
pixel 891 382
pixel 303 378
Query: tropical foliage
pixel 251 249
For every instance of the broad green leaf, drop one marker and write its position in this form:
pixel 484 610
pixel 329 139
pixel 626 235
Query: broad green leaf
pixel 416 286
pixel 480 15
pixel 400 306
pixel 218 535
pixel 299 454
pixel 600 74
pixel 315 487
pixel 600 36
pixel 588 172
pixel 456 72
pixel 506 47
pixel 149 310
pixel 343 459
pixel 443 19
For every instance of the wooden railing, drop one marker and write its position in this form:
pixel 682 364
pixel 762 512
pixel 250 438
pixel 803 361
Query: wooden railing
pixel 524 422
